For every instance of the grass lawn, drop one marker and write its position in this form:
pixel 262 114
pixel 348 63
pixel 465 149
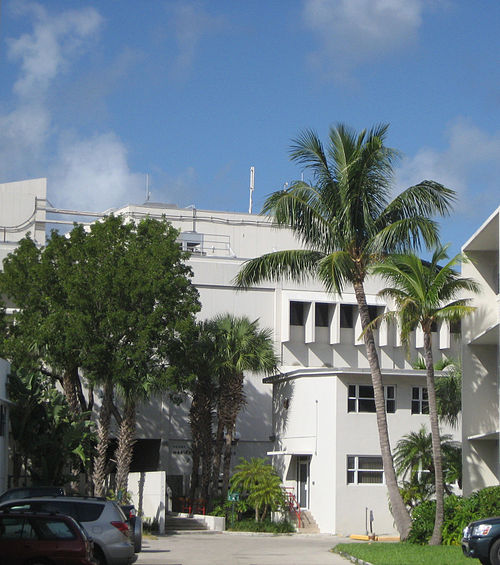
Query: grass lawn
pixel 380 553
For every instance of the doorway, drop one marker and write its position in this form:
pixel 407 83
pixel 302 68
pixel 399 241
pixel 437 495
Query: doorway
pixel 303 463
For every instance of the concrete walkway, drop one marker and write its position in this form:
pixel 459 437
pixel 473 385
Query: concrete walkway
pixel 229 548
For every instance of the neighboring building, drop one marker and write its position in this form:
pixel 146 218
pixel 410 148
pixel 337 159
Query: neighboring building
pixel 316 416
pixel 480 359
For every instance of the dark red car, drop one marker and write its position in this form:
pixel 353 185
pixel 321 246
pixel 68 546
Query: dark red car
pixel 41 538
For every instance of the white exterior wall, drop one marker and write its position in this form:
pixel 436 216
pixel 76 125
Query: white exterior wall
pixel 480 394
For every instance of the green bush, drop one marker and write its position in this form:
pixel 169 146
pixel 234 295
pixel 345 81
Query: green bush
pixel 250 525
pixel 458 512
pixel 150 525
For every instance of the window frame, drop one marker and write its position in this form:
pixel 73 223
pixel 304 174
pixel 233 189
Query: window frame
pixel 356 470
pixel 355 400
pixel 421 401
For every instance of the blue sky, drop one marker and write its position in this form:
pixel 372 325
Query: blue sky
pixel 95 94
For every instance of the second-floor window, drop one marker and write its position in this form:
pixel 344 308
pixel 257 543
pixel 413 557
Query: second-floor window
pixel 362 399
pixel 419 400
pixel 297 313
pixel 364 470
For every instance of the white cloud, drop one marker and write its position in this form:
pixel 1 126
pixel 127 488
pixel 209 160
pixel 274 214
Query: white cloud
pixel 93 174
pixel 354 31
pixel 46 51
pixel 470 165
pixel 191 24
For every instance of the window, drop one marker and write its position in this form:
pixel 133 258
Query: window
pixel 321 315
pixel 373 312
pixel 3 419
pixel 364 470
pixel 296 313
pixel 362 399
pixel 434 326
pixel 346 315
pixel 456 327
pixel 419 400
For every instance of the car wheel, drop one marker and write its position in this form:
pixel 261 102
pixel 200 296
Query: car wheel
pixel 495 552
pixel 484 561
pixel 137 534
pixel 99 556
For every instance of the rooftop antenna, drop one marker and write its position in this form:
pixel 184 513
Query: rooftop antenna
pixel 252 186
pixel 148 193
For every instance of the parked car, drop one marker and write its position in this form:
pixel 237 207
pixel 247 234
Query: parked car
pixel 481 539
pixel 102 519
pixel 30 538
pixel 29 492
pixel 135 522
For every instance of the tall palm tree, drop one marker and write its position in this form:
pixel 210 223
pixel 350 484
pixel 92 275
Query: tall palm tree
pixel 425 293
pixel 240 346
pixel 346 221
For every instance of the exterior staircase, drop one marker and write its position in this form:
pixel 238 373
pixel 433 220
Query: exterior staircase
pixel 308 524
pixel 175 524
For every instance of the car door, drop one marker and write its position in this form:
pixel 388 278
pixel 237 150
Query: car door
pixel 18 540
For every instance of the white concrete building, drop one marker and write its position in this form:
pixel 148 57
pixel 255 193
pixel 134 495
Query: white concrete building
pixel 481 361
pixel 316 417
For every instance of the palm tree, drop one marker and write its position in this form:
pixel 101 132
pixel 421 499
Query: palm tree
pixel 415 465
pixel 425 293
pixel 240 346
pixel 449 391
pixel 346 221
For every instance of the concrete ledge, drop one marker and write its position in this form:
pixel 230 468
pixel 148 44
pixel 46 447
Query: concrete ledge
pixel 213 523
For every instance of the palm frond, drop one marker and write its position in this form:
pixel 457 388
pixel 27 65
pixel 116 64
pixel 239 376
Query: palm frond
pixel 295 265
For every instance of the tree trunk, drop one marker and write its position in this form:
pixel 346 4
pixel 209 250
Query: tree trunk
pixel 436 440
pixel 400 513
pixel 125 449
pixel 103 426
pixel 228 446
pixel 70 387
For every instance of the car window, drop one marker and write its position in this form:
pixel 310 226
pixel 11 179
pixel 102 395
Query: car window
pixel 59 506
pixel 88 511
pixel 16 528
pixel 54 529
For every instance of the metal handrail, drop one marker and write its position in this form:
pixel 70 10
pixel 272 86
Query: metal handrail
pixel 293 504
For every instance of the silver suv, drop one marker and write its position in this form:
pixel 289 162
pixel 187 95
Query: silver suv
pixel 102 519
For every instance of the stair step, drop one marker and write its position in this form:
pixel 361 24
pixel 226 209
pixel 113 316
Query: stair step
pixel 178 523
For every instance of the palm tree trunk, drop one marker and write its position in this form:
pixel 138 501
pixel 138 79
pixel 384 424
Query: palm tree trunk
pixel 227 460
pixel 218 448
pixel 99 475
pixel 124 451
pixel 399 511
pixel 71 390
pixel 436 440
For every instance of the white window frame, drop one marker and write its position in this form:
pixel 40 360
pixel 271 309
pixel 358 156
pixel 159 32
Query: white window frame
pixel 356 470
pixel 420 400
pixel 357 398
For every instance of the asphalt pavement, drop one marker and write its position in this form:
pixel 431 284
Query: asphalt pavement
pixel 230 548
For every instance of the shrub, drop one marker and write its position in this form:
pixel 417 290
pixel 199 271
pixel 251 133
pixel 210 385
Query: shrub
pixel 458 512
pixel 150 525
pixel 248 525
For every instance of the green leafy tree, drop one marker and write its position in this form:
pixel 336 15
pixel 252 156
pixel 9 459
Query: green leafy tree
pixel 48 439
pixel 346 222
pixel 105 303
pixel 262 483
pixel 425 293
pixel 240 346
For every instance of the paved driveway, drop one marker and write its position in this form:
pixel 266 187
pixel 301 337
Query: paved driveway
pixel 240 549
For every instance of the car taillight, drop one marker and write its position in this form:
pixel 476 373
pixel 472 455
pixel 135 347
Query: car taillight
pixel 122 527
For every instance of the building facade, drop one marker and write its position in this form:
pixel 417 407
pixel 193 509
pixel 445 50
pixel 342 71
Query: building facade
pixel 481 361
pixel 315 418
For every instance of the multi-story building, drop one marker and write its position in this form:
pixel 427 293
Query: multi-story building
pixel 315 417
pixel 481 361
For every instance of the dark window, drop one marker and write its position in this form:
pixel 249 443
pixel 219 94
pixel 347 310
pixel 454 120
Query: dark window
pixel 88 511
pixel 297 313
pixel 434 326
pixel 364 470
pixel 456 327
pixel 321 311
pixel 54 529
pixel 373 312
pixel 346 315
pixel 3 419
pixel 362 399
pixel 419 400
pixel 16 528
